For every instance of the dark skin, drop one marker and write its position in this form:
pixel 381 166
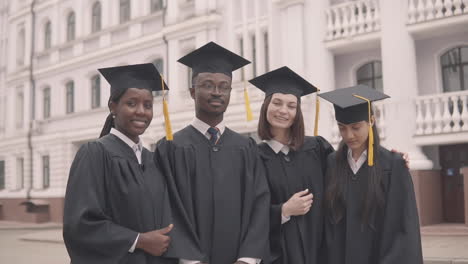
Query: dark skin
pixel 132 115
pixel 211 96
pixel 211 93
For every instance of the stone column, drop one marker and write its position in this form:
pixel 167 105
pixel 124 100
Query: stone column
pixel 400 81
pixel 319 66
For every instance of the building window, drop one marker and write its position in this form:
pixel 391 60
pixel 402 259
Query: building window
pixel 46 102
pixel 370 74
pixel 124 11
pixel 241 52
pixel 19 109
pixel 20 47
pixel 2 174
pixel 95 91
pixel 254 56
pixel 96 17
pixel 47 35
pixel 19 173
pixel 45 172
pixel 156 5
pixel 454 65
pixel 71 23
pixel 70 86
pixel 267 52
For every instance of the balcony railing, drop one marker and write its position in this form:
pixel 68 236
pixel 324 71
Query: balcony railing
pixel 426 10
pixel 352 18
pixel 442 113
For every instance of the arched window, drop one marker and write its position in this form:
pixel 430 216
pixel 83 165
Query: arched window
pixel 156 5
pixel 70 94
pixel 20 47
pixel 96 17
pixel 454 64
pixel 71 23
pixel 95 91
pixel 47 35
pixel 124 11
pixel 46 102
pixel 370 74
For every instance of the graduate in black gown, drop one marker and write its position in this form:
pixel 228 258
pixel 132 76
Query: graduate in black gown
pixel 214 173
pixel 295 167
pixel 116 203
pixel 371 214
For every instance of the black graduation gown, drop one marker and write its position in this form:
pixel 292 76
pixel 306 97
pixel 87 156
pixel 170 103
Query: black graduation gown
pixel 297 241
pixel 109 200
pixel 221 190
pixel 394 236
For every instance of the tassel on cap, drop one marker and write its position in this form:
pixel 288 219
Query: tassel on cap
pixel 370 151
pixel 317 112
pixel 248 110
pixel 167 121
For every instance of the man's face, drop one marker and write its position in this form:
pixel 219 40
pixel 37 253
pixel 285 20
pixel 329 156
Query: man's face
pixel 211 92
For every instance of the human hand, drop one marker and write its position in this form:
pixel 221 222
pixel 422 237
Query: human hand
pixel 155 242
pixel 298 204
pixel 404 155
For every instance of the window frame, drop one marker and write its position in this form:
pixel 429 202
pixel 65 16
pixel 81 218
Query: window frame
pixel 45 171
pixel 2 175
pixel 459 65
pixel 71 26
pixel 374 76
pixel 96 17
pixel 70 97
pixel 47 35
pixel 46 102
pixel 125 14
pixel 95 91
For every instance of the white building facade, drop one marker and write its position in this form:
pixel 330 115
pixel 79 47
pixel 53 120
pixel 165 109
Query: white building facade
pixel 52 98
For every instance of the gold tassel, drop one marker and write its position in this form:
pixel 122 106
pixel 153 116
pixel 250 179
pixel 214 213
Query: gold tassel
pixel 167 121
pixel 248 110
pixel 317 113
pixel 370 151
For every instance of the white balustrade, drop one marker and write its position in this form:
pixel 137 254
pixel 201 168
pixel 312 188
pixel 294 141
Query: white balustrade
pixel 442 113
pixel 351 18
pixel 426 10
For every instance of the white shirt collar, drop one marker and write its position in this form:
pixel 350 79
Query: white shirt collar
pixel 355 165
pixel 203 127
pixel 277 146
pixel 137 147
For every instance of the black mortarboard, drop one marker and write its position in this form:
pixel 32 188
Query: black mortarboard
pixel 143 76
pixel 285 81
pixel 213 58
pixel 349 108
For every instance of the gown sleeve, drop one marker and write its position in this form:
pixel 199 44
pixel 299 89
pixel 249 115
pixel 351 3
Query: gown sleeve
pixel 184 243
pixel 401 240
pixel 256 240
pixel 89 233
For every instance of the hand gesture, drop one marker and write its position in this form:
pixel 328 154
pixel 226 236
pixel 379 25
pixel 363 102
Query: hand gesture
pixel 155 242
pixel 298 204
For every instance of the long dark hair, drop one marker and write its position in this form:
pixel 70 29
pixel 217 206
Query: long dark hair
pixel 109 123
pixel 297 127
pixel 338 177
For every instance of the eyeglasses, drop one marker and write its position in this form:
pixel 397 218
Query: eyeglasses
pixel 223 88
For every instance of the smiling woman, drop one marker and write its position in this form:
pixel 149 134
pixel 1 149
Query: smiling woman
pixel 116 204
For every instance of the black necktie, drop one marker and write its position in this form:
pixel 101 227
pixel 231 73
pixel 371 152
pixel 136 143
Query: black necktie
pixel 213 131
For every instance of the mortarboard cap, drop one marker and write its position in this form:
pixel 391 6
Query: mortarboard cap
pixel 349 108
pixel 213 58
pixel 143 76
pixel 283 80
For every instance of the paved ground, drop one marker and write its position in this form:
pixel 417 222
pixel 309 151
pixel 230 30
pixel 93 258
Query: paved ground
pixel 43 244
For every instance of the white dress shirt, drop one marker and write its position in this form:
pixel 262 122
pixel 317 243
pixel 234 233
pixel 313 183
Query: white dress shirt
pixel 203 128
pixel 277 146
pixel 355 165
pixel 137 149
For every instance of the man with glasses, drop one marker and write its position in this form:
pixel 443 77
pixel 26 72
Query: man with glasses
pixel 214 175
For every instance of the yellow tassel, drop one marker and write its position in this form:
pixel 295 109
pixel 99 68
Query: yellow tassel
pixel 248 110
pixel 370 148
pixel 167 121
pixel 317 113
